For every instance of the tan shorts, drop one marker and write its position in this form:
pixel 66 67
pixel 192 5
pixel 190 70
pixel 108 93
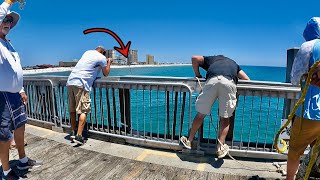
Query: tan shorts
pixel 303 133
pixel 223 89
pixel 79 100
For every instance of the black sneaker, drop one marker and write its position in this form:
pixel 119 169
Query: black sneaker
pixel 79 139
pixel 11 176
pixel 29 164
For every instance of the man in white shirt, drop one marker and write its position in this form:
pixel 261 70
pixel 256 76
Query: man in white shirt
pixel 79 86
pixel 12 96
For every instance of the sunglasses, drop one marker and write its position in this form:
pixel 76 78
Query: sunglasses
pixel 7 19
pixel 104 53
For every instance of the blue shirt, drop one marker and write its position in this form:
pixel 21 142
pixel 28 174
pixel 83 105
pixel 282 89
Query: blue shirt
pixel 87 69
pixel 312 100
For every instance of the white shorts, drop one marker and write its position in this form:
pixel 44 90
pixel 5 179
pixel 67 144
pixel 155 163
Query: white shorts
pixel 223 89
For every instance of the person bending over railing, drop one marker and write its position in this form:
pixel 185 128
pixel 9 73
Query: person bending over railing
pixel 222 77
pixel 79 86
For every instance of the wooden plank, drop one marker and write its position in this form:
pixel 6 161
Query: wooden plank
pixel 215 176
pixel 230 177
pixel 151 171
pixel 58 158
pixel 199 175
pixel 101 167
pixel 112 174
pixel 182 174
pixel 134 171
pixel 80 164
pixel 167 172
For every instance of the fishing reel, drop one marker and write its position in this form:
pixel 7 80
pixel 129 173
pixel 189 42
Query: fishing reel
pixel 22 3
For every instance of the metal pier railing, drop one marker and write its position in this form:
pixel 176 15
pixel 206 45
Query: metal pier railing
pixel 157 111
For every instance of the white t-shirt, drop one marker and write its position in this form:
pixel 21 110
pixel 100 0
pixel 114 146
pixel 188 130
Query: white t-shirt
pixel 87 69
pixel 11 74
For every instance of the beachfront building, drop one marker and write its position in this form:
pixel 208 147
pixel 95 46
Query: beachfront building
pixel 120 60
pixel 149 59
pixel 111 53
pixel 132 57
pixel 68 63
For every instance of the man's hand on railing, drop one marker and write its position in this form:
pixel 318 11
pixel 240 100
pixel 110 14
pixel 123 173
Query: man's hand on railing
pixel 24 97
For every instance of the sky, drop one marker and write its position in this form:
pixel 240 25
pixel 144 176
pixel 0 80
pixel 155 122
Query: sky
pixel 250 32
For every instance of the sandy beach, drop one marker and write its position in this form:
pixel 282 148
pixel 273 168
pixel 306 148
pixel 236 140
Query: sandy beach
pixel 64 69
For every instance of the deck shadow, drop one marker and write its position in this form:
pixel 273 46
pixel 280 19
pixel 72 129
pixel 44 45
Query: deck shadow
pixel 214 162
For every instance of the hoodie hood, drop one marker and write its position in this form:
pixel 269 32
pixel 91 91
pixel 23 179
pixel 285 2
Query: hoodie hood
pixel 312 30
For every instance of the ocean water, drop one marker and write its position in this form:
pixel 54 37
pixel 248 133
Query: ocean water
pixel 244 119
pixel 261 73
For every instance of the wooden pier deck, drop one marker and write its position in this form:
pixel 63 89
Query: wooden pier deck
pixel 66 161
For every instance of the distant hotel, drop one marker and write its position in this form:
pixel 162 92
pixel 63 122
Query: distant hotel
pixel 132 57
pixel 149 59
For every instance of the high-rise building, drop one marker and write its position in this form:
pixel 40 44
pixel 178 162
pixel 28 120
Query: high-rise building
pixel 149 59
pixel 132 57
pixel 111 53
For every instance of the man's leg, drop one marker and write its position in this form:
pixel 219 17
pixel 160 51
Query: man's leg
pixel 82 122
pixel 73 116
pixel 4 154
pixel 292 167
pixel 19 139
pixel 223 130
pixel 197 122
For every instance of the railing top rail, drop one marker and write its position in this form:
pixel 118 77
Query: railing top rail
pixel 191 82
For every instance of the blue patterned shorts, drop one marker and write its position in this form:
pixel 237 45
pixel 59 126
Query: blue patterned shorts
pixel 13 114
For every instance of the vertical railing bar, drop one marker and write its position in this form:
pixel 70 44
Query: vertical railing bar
pixel 36 102
pixel 48 111
pixel 251 114
pixel 182 113
pixel 137 118
pixel 259 118
pixel 101 109
pixel 175 112
pixel 150 115
pixel 172 110
pixel 119 111
pixel 158 112
pixel 165 110
pixel 65 110
pixel 59 110
pixel 91 115
pixel 276 120
pixel 95 108
pixel 114 110
pixel 108 109
pixel 242 123
pixel 267 123
pixel 124 111
pixel 50 100
pixel 144 118
pixel 131 119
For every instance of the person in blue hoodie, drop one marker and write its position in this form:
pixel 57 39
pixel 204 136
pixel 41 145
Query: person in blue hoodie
pixel 306 126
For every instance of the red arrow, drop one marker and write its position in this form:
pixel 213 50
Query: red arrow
pixel 123 50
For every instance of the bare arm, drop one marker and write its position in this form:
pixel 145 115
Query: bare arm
pixel 196 62
pixel 243 75
pixel 106 69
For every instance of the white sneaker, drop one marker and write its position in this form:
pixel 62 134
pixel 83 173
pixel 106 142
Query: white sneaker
pixel 223 151
pixel 185 142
